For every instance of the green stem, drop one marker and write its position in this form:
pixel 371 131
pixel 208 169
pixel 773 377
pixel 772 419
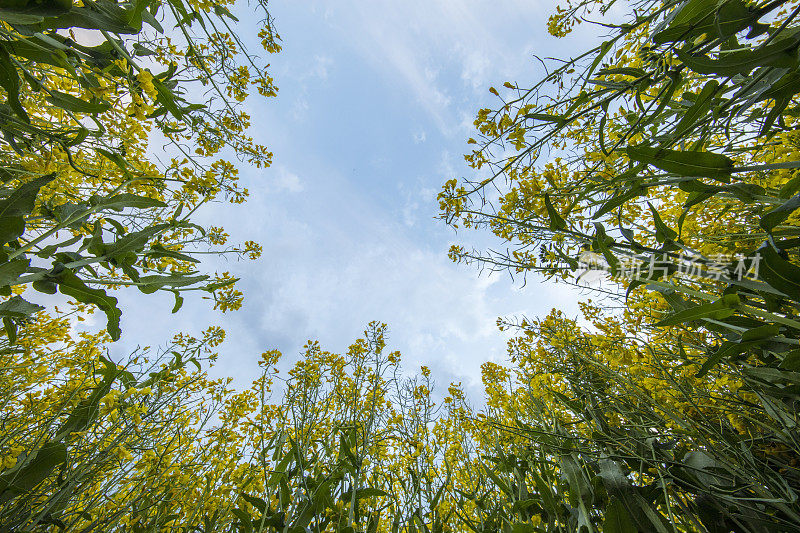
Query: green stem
pixel 74 218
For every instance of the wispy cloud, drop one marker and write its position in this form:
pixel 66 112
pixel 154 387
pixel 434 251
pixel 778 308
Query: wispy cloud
pixel 300 107
pixel 464 36
pixel 282 180
pixel 321 65
pixel 342 247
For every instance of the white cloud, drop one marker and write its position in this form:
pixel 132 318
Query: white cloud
pixel 410 213
pixel 334 261
pixel 321 65
pixel 437 313
pixel 312 72
pixel 355 247
pixel 300 107
pixel 282 180
pixel 446 166
pixel 475 69
pixel 419 202
pixel 417 41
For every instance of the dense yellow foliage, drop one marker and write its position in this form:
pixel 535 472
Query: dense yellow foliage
pixel 611 421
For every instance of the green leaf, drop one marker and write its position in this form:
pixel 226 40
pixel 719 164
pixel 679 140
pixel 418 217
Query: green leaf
pixel 87 411
pixel 72 103
pixel 779 214
pixel 19 18
pixel 114 158
pixel 727 349
pixel 781 54
pixel 370 492
pixel 767 331
pixel 45 286
pixel 663 232
pixel 222 11
pixel 211 287
pixel 178 302
pixel 744 192
pixel 556 222
pixel 778 272
pixel 133 242
pixel 786 87
pixel 618 199
pixel 120 201
pixel 95 245
pixel 545 491
pixel 166 98
pixel 602 50
pixel 152 21
pixel 697 17
pixel 692 11
pixel 23 199
pixel 639 510
pixel 697 198
pixel 80 136
pixel 791 361
pixel 771 375
pixel 36 469
pixel 718 310
pixel 156 251
pixel 150 284
pixel 42 8
pixel 118 227
pixel 601 243
pixel 256 502
pixel 38 51
pixel 699 108
pixel 104 15
pixel 580 490
pixel 71 215
pixel 617 518
pixel 71 285
pixel 11 330
pixel 502 485
pixel 11 271
pixel 244 517
pixel 696 164
pixel 18 307
pixel 140 50
pixel 9 80
pixel 135 13
pixel 11 228
pixel 626 71
pixel 545 117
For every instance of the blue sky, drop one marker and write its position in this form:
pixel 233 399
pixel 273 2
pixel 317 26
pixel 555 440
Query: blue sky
pixel 376 103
